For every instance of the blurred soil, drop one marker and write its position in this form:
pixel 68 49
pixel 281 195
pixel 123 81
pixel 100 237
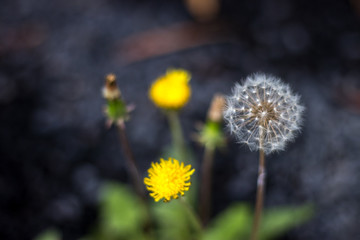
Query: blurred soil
pixel 55 150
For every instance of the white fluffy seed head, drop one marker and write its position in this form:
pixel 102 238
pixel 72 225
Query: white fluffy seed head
pixel 263 113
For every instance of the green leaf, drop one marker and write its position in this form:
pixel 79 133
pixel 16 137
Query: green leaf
pixel 172 219
pixel 277 221
pixel 122 214
pixel 234 223
pixel 50 234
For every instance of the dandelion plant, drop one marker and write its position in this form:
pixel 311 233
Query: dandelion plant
pixel 169 180
pixel 117 113
pixel 171 92
pixel 264 114
pixel 211 137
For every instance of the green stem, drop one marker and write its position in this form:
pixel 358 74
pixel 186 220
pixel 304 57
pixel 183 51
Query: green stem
pixel 205 187
pixel 177 135
pixel 193 218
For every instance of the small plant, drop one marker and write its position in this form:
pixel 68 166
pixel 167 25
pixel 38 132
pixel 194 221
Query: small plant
pixel 169 180
pixel 264 114
pixel 211 137
pixel 117 113
pixel 170 93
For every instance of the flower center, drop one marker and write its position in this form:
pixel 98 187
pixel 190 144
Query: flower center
pixel 264 112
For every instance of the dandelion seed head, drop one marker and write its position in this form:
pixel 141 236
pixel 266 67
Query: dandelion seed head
pixel 268 114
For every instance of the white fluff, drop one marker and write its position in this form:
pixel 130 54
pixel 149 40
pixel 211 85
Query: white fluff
pixel 263 113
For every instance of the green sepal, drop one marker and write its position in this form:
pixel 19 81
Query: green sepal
pixel 211 135
pixel 116 109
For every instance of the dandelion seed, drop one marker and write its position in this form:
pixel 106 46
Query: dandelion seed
pixel 273 110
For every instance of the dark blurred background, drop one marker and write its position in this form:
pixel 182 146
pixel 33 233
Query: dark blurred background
pixel 55 151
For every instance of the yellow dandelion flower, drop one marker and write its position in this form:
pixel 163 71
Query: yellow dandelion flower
pixel 168 179
pixel 172 90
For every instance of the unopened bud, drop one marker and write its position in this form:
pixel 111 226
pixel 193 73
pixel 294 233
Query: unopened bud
pixel 216 109
pixel 111 90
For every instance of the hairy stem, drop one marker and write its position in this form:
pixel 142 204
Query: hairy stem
pixel 205 187
pixel 130 160
pixel 259 196
pixel 136 178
